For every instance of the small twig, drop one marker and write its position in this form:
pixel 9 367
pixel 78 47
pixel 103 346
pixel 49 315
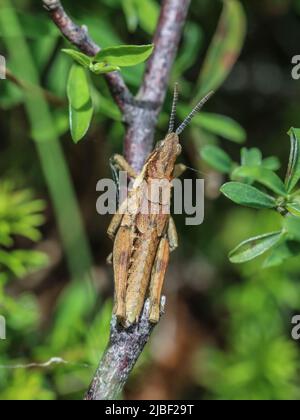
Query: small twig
pixel 49 363
pixel 52 99
pixel 79 37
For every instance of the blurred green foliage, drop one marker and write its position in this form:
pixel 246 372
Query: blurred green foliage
pixel 261 361
pixel 253 355
pixel 20 215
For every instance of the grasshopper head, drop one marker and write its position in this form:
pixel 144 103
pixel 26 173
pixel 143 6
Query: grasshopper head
pixel 162 161
pixel 164 157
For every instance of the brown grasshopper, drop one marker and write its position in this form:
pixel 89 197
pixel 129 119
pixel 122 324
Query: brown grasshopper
pixel 143 240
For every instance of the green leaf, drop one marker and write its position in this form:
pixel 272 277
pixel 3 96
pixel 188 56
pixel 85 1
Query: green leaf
pixel 148 12
pixel 79 57
pixel 225 47
pixel 131 14
pixel 263 176
pixel 217 158
pixel 293 172
pixel 80 103
pixel 125 55
pixel 251 157
pixel 272 163
pixel 292 226
pixel 222 126
pixel 293 208
pixel 102 68
pixel 282 252
pixel 246 195
pixel 254 247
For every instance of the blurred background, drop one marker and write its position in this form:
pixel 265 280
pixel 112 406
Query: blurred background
pixel 226 333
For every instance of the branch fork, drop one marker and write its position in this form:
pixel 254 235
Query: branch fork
pixel 140 115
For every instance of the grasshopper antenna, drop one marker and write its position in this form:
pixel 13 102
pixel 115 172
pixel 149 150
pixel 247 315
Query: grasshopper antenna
pixel 193 113
pixel 174 108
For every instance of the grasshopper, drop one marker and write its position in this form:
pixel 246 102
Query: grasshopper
pixel 143 240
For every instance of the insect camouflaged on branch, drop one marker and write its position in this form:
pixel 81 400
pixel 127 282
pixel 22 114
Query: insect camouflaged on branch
pixel 143 231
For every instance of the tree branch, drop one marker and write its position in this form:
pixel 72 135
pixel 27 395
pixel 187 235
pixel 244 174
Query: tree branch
pixel 166 40
pixel 140 116
pixel 123 350
pixel 140 133
pixel 79 37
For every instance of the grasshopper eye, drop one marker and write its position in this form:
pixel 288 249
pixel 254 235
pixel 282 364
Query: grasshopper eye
pixel 179 149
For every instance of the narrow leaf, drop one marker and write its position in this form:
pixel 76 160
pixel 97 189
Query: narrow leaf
pixel 254 247
pixel 225 47
pixel 125 55
pixel 189 51
pixel 263 176
pixel 217 158
pixel 80 58
pixel 293 172
pixel 293 208
pixel 246 195
pixel 272 163
pixel 80 103
pixel 222 126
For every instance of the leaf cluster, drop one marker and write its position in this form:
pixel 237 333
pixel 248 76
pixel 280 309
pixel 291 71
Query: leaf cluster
pixel 255 183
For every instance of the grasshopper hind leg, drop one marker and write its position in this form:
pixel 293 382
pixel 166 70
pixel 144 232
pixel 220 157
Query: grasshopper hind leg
pixel 121 261
pixel 167 244
pixel 157 279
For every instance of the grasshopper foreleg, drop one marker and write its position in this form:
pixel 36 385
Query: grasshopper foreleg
pixel 119 162
pixel 114 225
pixel 179 170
